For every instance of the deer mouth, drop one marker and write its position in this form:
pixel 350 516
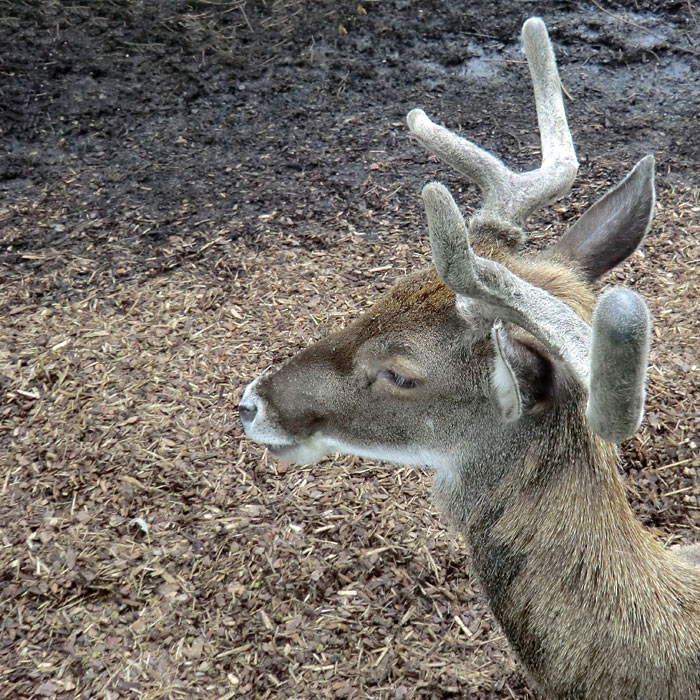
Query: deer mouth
pixel 305 452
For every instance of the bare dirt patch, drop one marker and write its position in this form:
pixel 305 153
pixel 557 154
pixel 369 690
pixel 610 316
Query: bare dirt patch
pixel 193 190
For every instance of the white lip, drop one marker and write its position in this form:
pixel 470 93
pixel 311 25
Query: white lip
pixel 281 450
pixel 307 452
pixel 286 454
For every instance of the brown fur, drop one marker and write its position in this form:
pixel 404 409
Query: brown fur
pixel 598 609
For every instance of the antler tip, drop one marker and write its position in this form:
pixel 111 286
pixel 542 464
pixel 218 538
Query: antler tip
pixel 435 193
pixel 622 315
pixel 414 118
pixel 533 28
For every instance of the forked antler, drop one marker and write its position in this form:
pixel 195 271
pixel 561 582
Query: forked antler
pixel 509 197
pixel 499 293
pixel 488 291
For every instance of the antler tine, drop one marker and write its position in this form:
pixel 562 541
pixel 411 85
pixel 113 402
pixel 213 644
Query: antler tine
pixel 476 164
pixel 511 197
pixel 557 144
pixel 500 293
pixel 621 332
pixel 453 256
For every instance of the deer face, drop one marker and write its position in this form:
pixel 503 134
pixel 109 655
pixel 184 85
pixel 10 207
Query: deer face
pixel 396 385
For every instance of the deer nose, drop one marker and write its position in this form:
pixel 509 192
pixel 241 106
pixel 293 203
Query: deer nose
pixel 247 412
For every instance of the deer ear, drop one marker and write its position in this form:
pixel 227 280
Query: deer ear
pixel 612 229
pixel 522 377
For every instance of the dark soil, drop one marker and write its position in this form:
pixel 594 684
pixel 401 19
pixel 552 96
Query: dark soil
pixel 134 122
pixel 191 189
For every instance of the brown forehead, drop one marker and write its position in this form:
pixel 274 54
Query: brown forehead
pixel 419 292
pixel 424 292
pixel 419 300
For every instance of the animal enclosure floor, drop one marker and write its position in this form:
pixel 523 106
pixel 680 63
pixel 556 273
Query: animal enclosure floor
pixel 193 190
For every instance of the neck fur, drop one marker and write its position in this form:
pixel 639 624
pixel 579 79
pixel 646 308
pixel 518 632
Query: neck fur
pixel 584 593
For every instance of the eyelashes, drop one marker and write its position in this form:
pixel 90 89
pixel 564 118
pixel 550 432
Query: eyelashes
pixel 398 379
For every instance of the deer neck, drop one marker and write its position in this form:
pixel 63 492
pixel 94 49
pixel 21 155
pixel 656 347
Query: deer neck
pixel 570 573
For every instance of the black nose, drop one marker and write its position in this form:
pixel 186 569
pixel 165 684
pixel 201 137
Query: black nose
pixel 247 412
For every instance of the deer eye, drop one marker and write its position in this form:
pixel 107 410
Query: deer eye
pixel 398 379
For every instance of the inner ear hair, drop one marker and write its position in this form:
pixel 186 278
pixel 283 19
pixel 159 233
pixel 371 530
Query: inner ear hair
pixel 537 372
pixel 524 377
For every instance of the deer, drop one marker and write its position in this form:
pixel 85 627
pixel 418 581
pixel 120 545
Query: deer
pixel 500 371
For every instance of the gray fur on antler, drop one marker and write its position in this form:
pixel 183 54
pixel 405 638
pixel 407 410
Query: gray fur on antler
pixel 610 360
pixel 510 197
pixel 621 332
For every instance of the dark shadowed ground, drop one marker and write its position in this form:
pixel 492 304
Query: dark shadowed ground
pixel 189 190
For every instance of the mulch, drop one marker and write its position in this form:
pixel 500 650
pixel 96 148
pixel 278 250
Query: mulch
pixel 149 550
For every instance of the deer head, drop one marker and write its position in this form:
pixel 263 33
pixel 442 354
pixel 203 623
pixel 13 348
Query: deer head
pixel 468 356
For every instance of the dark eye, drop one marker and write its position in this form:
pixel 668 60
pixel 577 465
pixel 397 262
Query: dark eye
pixel 399 380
